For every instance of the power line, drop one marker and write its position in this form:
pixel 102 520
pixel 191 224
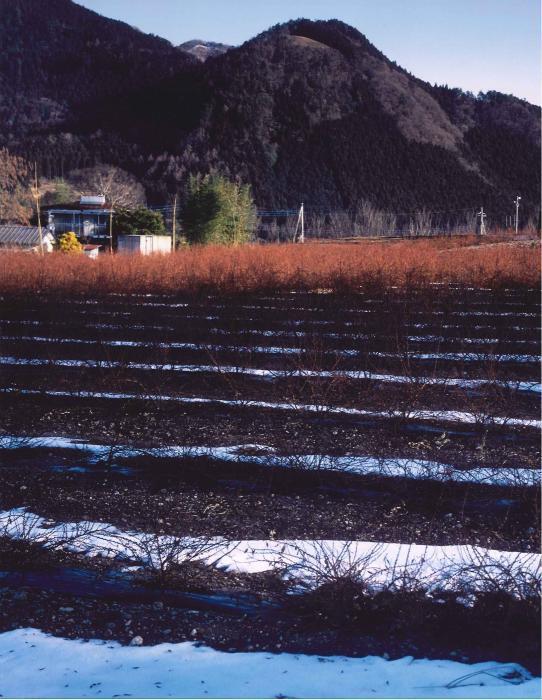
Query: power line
pixel 277 212
pixel 324 210
pixel 268 212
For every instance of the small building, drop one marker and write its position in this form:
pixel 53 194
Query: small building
pixel 91 250
pixel 89 218
pixel 15 237
pixel 143 244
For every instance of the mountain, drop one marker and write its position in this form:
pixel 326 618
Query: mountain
pixel 57 56
pixel 61 65
pixel 307 111
pixel 202 50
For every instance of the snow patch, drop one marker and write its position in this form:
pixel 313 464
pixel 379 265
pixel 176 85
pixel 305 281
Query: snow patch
pixel 271 374
pixel 309 562
pixel 364 465
pixel 36 665
pixel 414 414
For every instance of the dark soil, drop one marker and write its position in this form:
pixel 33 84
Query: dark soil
pixel 155 423
pixel 199 497
pixel 236 500
pixel 496 629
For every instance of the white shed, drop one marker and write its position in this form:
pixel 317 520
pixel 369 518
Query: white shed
pixel 91 251
pixel 143 244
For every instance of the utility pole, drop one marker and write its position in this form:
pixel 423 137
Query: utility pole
pixel 516 202
pixel 482 216
pixel 111 227
pixel 300 223
pixel 36 194
pixel 174 221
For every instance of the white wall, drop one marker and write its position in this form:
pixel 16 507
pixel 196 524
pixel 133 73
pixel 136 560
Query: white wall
pixel 144 245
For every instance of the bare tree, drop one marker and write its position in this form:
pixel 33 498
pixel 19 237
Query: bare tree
pixel 423 221
pixel 316 225
pixel 368 220
pixel 340 224
pixel 121 189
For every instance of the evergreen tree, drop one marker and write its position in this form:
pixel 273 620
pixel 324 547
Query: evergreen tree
pixel 138 221
pixel 218 211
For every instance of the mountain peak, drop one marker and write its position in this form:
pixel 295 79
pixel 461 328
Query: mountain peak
pixel 309 110
pixel 202 50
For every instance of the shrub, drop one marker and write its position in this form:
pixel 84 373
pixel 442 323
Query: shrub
pixel 68 243
pixel 218 211
pixel 374 267
pixel 138 220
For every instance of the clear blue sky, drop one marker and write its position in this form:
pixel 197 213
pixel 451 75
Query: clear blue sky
pixel 472 44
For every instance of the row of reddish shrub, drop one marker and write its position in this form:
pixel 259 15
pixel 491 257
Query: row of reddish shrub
pixel 267 268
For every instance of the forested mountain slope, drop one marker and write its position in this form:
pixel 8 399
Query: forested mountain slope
pixel 307 111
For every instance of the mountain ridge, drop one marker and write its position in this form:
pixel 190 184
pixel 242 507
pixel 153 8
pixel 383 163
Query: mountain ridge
pixel 305 111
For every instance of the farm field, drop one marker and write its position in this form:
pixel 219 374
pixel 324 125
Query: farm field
pixel 277 473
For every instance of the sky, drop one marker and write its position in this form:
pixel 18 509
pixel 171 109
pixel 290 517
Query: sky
pixel 477 45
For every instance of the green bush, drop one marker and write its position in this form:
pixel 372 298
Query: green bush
pixel 218 211
pixel 138 221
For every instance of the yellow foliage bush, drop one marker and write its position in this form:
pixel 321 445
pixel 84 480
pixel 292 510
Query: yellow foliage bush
pixel 68 243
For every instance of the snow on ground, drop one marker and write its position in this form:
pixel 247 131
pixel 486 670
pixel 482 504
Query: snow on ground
pixel 462 356
pixel 478 327
pixel 114 326
pixel 529 386
pixel 281 322
pixel 414 414
pixel 312 309
pixel 263 454
pixel 470 341
pixel 310 562
pixel 354 350
pixel 296 334
pixel 270 349
pixel 36 665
